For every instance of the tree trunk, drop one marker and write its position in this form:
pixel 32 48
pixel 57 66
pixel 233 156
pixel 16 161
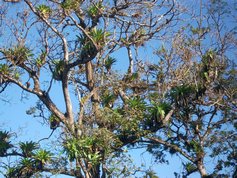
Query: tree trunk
pixel 201 168
pixel 95 171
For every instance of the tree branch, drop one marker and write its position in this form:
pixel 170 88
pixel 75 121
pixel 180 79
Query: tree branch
pixel 175 147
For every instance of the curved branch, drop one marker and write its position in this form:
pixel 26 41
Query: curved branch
pixel 65 45
pixel 175 147
pixel 66 69
pixel 42 95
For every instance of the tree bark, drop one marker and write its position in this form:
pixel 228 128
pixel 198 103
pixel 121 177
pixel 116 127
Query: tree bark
pixel 201 168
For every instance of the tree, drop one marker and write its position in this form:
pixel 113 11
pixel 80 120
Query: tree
pixel 72 41
pixel 202 99
pixel 180 104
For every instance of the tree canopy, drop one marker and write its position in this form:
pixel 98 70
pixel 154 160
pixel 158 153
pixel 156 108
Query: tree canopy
pixel 157 75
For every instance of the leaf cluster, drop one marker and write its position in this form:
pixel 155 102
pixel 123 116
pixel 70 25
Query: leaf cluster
pixel 18 55
pixel 32 158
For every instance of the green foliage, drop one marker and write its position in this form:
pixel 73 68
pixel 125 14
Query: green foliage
pixel 109 62
pixel 111 119
pixel 155 116
pixel 81 148
pixel 93 148
pixel 40 61
pixel 26 167
pixel 190 168
pixel 54 121
pixel 4 69
pixel 208 57
pixel 95 9
pixel 87 47
pixel 26 163
pixel 137 103
pixel 17 75
pixel 199 31
pixel 99 36
pixel 114 110
pixel 159 110
pixel 134 76
pixel 181 91
pixel 195 146
pixel 28 148
pixel 58 69
pixel 44 10
pixel 5 144
pixel 70 4
pixel 18 55
pixel 108 99
pixel 150 174
pixel 43 156
pixel 11 172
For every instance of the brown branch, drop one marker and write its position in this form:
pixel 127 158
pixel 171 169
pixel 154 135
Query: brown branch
pixel 65 45
pixel 175 147
pixel 71 172
pixel 66 94
pixel 85 32
pixel 67 100
pixel 131 62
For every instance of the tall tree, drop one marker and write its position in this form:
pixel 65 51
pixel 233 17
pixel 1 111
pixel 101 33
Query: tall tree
pixel 72 42
pixel 201 97
pixel 183 103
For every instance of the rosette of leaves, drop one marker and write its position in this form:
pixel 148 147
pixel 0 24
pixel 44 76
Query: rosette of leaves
pixel 211 66
pixel 182 95
pixel 4 69
pixel 134 114
pixel 95 10
pixel 58 70
pixel 157 112
pixel 137 103
pixel 82 148
pixel 109 62
pixel 190 168
pixel 5 144
pixel 69 5
pixel 108 99
pixel 42 157
pixel 99 36
pixel 28 148
pixel 88 48
pixel 150 174
pixel 11 172
pixel 195 147
pixel 27 167
pixel 44 10
pixel 18 54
